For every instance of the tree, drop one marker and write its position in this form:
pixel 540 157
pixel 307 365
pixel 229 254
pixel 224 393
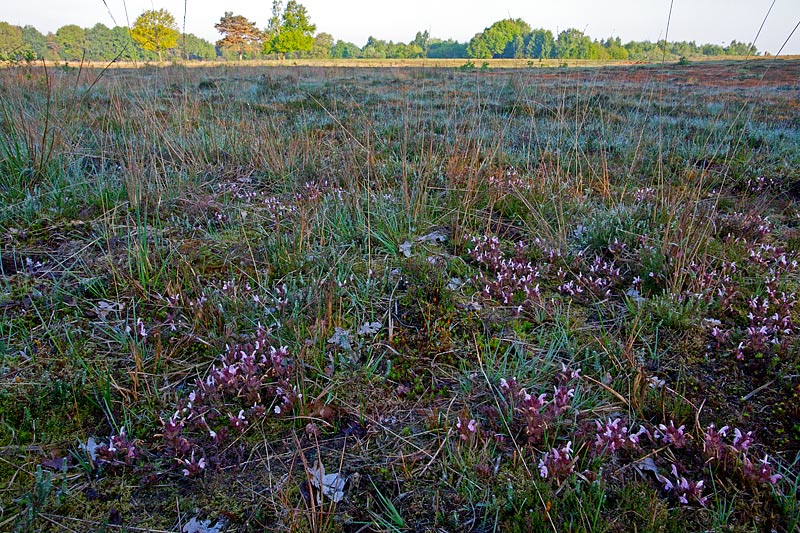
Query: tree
pixel 123 43
pixel 197 48
pixel 450 48
pixel 10 41
pixel 323 43
pixel 34 41
pixel 740 49
pixel 573 44
pixel 155 31
pixel 295 33
pixel 71 41
pixel 494 39
pixel 615 48
pixel 477 48
pixel 515 49
pixel 540 44
pixel 345 50
pixel 413 50
pixel 52 48
pixel 100 43
pixel 375 48
pixel 238 33
pixel 423 40
pixel 273 28
pixel 712 50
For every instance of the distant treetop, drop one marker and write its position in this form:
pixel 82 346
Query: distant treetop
pixel 290 32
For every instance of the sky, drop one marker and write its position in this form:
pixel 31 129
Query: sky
pixel 704 21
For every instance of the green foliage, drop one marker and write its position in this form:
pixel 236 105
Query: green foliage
pixel 423 41
pixel 238 34
pixel 615 48
pixel 740 49
pixel 10 40
pixel 295 32
pixel 155 31
pixel 379 49
pixel 290 32
pixel 540 44
pixel 196 48
pixel 99 42
pixel 34 41
pixel 573 44
pixel 345 50
pixel 102 43
pixel 36 501
pixel 71 40
pixel 323 43
pixel 106 44
pixel 496 38
pixel 446 49
pixel 516 48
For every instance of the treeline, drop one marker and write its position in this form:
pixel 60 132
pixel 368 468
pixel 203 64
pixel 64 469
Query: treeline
pixel 514 38
pixel 98 43
pixel 291 34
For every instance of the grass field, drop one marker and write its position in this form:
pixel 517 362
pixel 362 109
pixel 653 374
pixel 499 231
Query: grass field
pixel 400 299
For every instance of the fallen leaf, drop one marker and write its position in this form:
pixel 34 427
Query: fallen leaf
pixel 454 284
pixel 341 338
pixel 369 328
pixel 91 448
pixel 56 463
pixel 646 465
pixel 405 248
pixel 331 485
pixel 202 526
pixel 434 236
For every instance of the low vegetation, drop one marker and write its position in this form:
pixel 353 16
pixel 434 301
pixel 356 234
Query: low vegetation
pixel 293 299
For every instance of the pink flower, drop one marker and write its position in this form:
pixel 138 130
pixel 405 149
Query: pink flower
pixel 673 435
pixel 557 463
pixel 742 441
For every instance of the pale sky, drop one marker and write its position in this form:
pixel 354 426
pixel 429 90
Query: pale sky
pixel 704 21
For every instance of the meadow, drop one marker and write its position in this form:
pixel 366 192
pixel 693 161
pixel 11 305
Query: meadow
pixel 347 299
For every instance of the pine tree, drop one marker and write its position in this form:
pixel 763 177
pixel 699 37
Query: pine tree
pixel 239 33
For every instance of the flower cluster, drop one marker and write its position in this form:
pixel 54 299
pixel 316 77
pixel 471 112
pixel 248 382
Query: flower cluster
pixel 760 472
pixel 277 209
pixel 536 411
pixel 514 279
pixel 250 379
pixel 192 467
pixel 507 180
pixel 614 435
pixel 313 192
pixel 644 194
pixel 120 450
pixel 600 277
pixel 557 463
pixel 684 489
pixel 467 429
pixel 716 286
pixel 716 449
pixel 672 435
pixel 770 324
pixel 761 184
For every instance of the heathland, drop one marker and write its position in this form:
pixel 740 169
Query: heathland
pixel 400 299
